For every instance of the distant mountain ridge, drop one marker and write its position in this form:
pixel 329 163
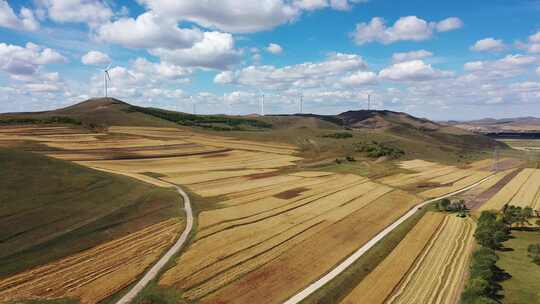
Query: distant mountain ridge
pixel 492 125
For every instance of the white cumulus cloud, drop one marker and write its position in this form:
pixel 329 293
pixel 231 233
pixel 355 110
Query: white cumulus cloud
pixel 405 28
pixel 535 37
pixel 449 24
pixel 228 15
pixel 415 70
pixel 24 61
pixel 274 48
pixel 359 78
pixel 148 30
pixel 488 44
pixel 304 75
pixel 242 16
pixel 92 12
pixel 412 55
pixel 95 57
pixel 216 51
pixel 24 21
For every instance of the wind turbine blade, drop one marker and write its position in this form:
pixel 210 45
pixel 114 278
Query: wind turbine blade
pixel 108 67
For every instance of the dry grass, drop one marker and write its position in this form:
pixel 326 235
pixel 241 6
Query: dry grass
pixel 93 274
pixel 380 283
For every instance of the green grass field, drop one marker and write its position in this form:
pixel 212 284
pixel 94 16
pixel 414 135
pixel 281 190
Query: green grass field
pixel 51 208
pixel 524 285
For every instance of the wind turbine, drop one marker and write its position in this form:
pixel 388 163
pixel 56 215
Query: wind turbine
pixel 262 104
pixel 368 101
pixel 194 105
pixel 301 103
pixel 106 78
pixel 228 104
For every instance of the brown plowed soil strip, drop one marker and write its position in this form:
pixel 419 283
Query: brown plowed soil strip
pixel 130 149
pixel 262 175
pixel 489 193
pixel 128 156
pixel 291 193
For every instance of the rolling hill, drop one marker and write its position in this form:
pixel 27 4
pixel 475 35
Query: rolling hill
pixel 94 112
pixel 417 137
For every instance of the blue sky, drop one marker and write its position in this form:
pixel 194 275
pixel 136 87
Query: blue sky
pixel 435 59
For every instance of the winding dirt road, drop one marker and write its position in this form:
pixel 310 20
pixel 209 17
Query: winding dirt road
pixel 153 272
pixel 303 294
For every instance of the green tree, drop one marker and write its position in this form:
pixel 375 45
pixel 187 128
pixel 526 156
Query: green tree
pixel 443 204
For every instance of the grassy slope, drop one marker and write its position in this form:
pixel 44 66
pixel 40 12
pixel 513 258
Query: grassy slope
pixel 447 144
pixel 452 149
pixel 524 286
pixel 51 208
pixel 102 111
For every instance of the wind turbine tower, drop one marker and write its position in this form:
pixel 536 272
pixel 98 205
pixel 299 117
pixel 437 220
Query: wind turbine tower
pixel 106 78
pixel 194 105
pixel 228 104
pixel 369 102
pixel 301 104
pixel 262 104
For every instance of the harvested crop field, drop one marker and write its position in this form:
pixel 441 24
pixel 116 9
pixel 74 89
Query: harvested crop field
pixel 178 156
pixel 432 180
pixel 262 246
pixel 428 265
pixel 476 197
pixel 97 273
pixel 523 190
pixel 272 233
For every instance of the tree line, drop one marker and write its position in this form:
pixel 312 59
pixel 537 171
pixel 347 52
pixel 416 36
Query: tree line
pixel 492 230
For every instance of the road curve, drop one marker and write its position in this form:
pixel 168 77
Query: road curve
pixel 152 273
pixel 303 294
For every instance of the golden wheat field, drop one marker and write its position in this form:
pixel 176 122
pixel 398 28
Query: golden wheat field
pixel 273 231
pixel 430 180
pixel 523 190
pixel 428 266
pixel 97 273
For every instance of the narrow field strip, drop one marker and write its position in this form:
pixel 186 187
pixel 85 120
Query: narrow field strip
pixel 527 194
pixel 97 273
pixel 441 267
pixel 506 194
pixel 380 283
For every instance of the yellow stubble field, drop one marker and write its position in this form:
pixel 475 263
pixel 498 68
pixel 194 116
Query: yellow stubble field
pixel 96 273
pixel 273 233
pixel 428 265
pixel 523 190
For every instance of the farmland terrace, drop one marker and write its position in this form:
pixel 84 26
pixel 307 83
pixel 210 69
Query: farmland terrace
pixel 265 228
